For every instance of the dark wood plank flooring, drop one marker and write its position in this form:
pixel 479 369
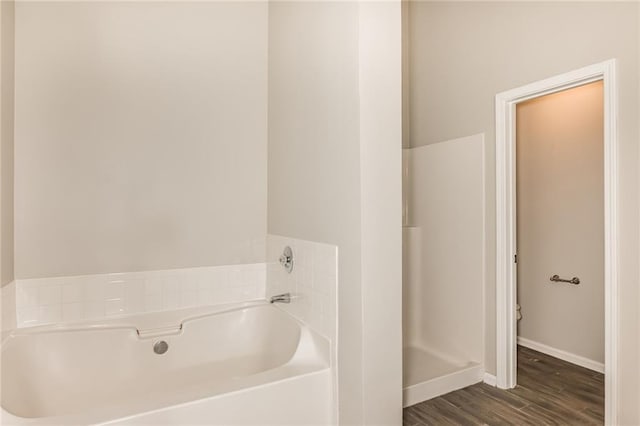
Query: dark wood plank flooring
pixel 549 392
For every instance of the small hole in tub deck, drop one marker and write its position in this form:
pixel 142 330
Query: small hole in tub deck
pixel 160 347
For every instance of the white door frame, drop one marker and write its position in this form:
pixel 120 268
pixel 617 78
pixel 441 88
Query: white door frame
pixel 506 222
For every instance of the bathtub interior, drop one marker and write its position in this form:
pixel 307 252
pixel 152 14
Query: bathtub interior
pixel 58 372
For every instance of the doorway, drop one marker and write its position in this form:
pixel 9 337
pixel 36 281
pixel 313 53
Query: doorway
pixel 507 229
pixel 560 248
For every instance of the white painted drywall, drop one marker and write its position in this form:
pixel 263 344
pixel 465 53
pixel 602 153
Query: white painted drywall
pixel 464 53
pixel 380 56
pixel 6 145
pixel 406 81
pixel 334 151
pixel 141 138
pixel 314 156
pixel 560 220
pixel 446 204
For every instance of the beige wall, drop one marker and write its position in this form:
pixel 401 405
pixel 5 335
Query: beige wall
pixel 6 146
pixel 334 151
pixel 141 139
pixel 463 54
pixel 560 188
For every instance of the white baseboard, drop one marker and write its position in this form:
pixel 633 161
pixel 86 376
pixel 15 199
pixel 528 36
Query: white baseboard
pixel 563 355
pixel 490 379
pixel 437 386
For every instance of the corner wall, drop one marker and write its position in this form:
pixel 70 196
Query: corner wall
pixel 380 46
pixel 334 156
pixel 314 156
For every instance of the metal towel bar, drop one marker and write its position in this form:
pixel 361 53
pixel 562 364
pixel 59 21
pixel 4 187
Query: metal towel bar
pixel 556 278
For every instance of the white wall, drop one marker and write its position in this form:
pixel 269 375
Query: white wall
pixel 406 81
pixel 334 152
pixel 380 45
pixel 314 156
pixel 447 207
pixel 463 54
pixel 141 139
pixel 6 146
pixel 560 188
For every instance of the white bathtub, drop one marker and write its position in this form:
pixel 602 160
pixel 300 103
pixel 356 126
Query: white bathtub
pixel 231 365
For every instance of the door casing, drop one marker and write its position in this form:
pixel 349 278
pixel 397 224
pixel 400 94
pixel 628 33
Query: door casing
pixel 506 333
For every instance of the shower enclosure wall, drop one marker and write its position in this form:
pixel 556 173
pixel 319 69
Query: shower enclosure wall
pixel 443 272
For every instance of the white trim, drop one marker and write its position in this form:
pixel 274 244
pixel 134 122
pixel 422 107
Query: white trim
pixel 506 222
pixel 485 233
pixel 432 388
pixel 490 379
pixel 563 355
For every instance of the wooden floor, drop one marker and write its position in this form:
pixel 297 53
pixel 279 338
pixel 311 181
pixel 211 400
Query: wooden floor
pixel 549 392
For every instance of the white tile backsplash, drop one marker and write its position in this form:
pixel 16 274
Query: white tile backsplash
pixel 114 307
pixel 89 297
pixel 72 312
pixel 8 298
pixel 49 295
pixel 50 313
pixel 312 282
pixel 27 316
pixel 26 296
pixel 72 293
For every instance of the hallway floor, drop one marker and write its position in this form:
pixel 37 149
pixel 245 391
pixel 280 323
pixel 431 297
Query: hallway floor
pixel 549 391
